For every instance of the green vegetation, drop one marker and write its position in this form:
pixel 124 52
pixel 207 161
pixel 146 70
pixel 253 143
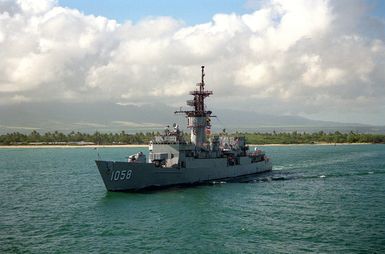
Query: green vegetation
pixel 52 138
pixel 311 138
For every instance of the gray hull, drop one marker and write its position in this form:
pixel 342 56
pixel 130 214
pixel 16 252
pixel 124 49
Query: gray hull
pixel 126 176
pixel 175 161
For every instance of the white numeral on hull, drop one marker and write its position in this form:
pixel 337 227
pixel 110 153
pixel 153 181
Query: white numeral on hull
pixel 121 175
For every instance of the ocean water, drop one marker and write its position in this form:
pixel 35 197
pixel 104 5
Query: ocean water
pixel 323 199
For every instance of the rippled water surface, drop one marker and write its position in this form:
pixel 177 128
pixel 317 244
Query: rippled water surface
pixel 318 199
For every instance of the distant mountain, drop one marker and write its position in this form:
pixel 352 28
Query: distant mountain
pixel 82 117
pixel 106 117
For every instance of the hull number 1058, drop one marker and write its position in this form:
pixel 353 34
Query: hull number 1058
pixel 121 175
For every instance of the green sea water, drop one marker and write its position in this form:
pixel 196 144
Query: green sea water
pixel 318 199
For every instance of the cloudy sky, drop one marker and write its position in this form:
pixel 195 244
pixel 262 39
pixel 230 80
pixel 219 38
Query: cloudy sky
pixel 320 59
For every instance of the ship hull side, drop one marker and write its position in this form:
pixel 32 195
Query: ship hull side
pixel 125 176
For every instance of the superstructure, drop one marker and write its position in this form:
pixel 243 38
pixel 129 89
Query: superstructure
pixel 173 160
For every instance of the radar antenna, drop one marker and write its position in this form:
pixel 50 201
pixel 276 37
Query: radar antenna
pixel 197 118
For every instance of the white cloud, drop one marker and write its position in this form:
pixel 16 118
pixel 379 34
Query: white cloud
pixel 316 75
pixel 302 57
pixel 35 7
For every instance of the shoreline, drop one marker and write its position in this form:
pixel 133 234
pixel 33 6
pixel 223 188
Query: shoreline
pixel 134 146
pixel 315 144
pixel 70 146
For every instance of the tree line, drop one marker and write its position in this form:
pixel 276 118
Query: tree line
pixel 311 138
pixel 16 138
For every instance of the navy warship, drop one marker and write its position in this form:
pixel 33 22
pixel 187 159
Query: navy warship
pixel 176 161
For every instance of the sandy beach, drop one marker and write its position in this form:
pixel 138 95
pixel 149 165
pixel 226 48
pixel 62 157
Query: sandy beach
pixel 315 144
pixel 131 146
pixel 71 146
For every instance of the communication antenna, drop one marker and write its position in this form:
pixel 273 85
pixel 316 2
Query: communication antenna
pixel 203 75
pixel 198 115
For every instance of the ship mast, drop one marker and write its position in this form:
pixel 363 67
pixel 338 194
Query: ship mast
pixel 199 118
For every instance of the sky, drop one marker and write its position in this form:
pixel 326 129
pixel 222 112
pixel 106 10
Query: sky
pixel 315 58
pixel 189 12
